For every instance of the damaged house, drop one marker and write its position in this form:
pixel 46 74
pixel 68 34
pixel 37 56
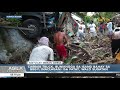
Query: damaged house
pixel 68 23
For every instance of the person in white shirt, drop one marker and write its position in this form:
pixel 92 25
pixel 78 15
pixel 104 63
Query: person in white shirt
pixel 42 52
pixel 110 29
pixel 92 30
pixel 84 27
pixel 81 31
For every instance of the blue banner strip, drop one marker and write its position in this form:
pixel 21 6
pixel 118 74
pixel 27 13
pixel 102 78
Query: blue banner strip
pixel 69 68
pixel 73 68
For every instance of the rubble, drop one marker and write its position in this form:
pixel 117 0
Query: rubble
pixel 87 51
pixel 91 52
pixel 116 19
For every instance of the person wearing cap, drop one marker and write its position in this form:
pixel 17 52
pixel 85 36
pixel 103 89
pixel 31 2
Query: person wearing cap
pixel 42 52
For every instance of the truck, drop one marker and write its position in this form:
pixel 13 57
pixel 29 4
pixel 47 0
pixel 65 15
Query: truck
pixel 38 21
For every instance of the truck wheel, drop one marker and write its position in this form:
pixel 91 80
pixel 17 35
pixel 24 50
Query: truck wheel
pixel 34 24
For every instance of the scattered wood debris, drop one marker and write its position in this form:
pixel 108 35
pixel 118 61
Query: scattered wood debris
pixel 92 52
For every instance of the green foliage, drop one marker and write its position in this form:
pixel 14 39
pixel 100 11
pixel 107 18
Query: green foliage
pixel 87 19
pixel 96 15
pixel 82 15
pixel 107 14
pixel 14 21
pixel 68 61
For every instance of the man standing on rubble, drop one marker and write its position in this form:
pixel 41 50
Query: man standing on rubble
pixel 81 31
pixel 60 39
pixel 92 30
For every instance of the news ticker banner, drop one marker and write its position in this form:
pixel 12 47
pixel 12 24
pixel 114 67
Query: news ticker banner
pixel 14 70
pixel 72 68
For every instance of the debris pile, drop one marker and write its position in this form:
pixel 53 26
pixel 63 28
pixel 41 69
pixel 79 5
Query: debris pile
pixel 92 52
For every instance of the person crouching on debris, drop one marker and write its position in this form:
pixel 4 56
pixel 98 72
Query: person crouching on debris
pixel 42 52
pixel 60 39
